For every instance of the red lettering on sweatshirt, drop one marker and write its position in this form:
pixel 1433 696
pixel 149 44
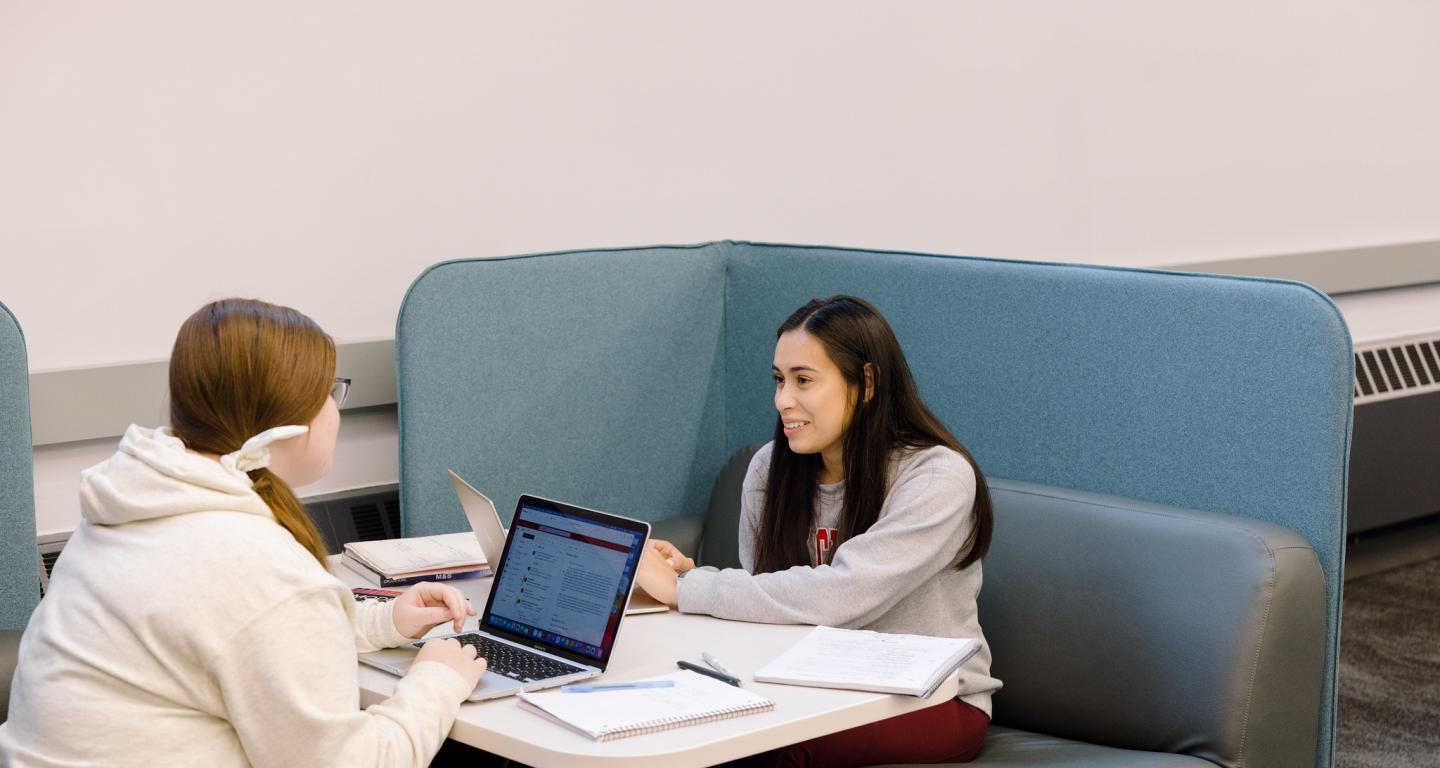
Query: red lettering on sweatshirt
pixel 824 541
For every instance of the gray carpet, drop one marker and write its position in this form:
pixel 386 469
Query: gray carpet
pixel 1389 712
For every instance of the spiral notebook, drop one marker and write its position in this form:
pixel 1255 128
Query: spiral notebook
pixel 864 660
pixel 615 714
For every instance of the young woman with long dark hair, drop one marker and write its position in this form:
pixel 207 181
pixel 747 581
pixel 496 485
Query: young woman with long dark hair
pixel 193 620
pixel 863 511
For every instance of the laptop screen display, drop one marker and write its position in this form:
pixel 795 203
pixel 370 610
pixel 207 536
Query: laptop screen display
pixel 564 580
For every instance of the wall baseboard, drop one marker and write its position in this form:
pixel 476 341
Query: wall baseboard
pixel 76 404
pixel 88 403
pixel 362 514
pixel 1346 270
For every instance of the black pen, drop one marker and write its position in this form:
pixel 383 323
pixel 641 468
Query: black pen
pixel 735 681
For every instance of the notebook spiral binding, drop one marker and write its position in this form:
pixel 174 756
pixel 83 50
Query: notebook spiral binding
pixel 668 723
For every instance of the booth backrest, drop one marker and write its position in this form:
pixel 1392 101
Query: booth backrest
pixel 592 378
pixel 19 563
pixel 624 379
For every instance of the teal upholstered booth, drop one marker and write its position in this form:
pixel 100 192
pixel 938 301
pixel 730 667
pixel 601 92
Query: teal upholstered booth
pixel 624 379
pixel 19 564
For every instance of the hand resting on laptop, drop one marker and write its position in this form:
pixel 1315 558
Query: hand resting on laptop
pixel 428 605
pixel 461 658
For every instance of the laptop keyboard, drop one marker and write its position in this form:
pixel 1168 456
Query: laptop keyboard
pixel 516 663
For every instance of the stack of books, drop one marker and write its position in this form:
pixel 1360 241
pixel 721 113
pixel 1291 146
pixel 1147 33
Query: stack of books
pixel 398 562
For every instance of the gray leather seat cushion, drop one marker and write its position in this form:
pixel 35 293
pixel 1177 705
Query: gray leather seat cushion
pixel 1136 625
pixel 1009 748
pixel 720 545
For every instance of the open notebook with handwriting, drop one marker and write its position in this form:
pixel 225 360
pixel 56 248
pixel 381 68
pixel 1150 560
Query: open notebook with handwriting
pixel 614 714
pixel 864 660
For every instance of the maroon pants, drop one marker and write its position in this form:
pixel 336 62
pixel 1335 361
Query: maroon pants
pixel 946 733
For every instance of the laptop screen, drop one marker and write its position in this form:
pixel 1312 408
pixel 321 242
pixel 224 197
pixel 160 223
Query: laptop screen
pixel 564 578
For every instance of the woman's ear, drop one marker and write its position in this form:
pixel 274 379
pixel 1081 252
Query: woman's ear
pixel 869 381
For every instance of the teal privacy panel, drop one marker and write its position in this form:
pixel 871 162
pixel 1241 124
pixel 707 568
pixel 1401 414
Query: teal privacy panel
pixel 1223 394
pixel 587 377
pixel 621 379
pixel 19 566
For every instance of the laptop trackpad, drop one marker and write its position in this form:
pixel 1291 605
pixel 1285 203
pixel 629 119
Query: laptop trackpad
pixel 492 685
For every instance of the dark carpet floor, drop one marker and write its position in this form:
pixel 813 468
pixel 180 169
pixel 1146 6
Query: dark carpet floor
pixel 1389 713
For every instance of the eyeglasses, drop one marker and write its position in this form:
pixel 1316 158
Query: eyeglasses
pixel 340 391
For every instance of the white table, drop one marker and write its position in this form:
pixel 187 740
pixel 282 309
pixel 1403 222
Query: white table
pixel 649 645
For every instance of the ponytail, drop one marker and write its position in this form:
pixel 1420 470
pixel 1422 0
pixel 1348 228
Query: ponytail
pixel 289 512
pixel 240 367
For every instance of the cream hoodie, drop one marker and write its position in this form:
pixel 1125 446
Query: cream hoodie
pixel 184 627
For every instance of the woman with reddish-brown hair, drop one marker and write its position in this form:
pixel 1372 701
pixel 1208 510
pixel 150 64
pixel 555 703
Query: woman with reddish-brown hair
pixel 193 620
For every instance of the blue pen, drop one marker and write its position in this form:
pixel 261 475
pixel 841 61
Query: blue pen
pixel 595 687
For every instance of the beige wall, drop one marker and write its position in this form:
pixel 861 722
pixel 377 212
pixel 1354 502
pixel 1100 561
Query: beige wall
pixel 157 154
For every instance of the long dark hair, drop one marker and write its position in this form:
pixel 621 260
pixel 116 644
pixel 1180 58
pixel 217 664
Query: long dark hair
pixel 855 335
pixel 240 367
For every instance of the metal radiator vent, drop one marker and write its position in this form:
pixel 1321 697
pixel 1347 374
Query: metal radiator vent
pixel 49 547
pixel 368 524
pixel 363 514
pixel 1397 369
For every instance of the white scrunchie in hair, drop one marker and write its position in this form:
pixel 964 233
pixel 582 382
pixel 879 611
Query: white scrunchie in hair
pixel 255 453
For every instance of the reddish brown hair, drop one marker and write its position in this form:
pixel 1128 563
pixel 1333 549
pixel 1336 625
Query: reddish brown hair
pixel 240 367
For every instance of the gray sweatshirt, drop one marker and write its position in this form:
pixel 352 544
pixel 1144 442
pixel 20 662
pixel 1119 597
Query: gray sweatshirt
pixel 899 576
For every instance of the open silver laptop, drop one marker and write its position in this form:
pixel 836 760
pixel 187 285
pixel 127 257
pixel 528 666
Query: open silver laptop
pixel 561 584
pixel 490 532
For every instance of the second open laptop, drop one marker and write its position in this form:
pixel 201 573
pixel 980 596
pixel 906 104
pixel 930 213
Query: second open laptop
pixel 485 522
pixel 561 584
